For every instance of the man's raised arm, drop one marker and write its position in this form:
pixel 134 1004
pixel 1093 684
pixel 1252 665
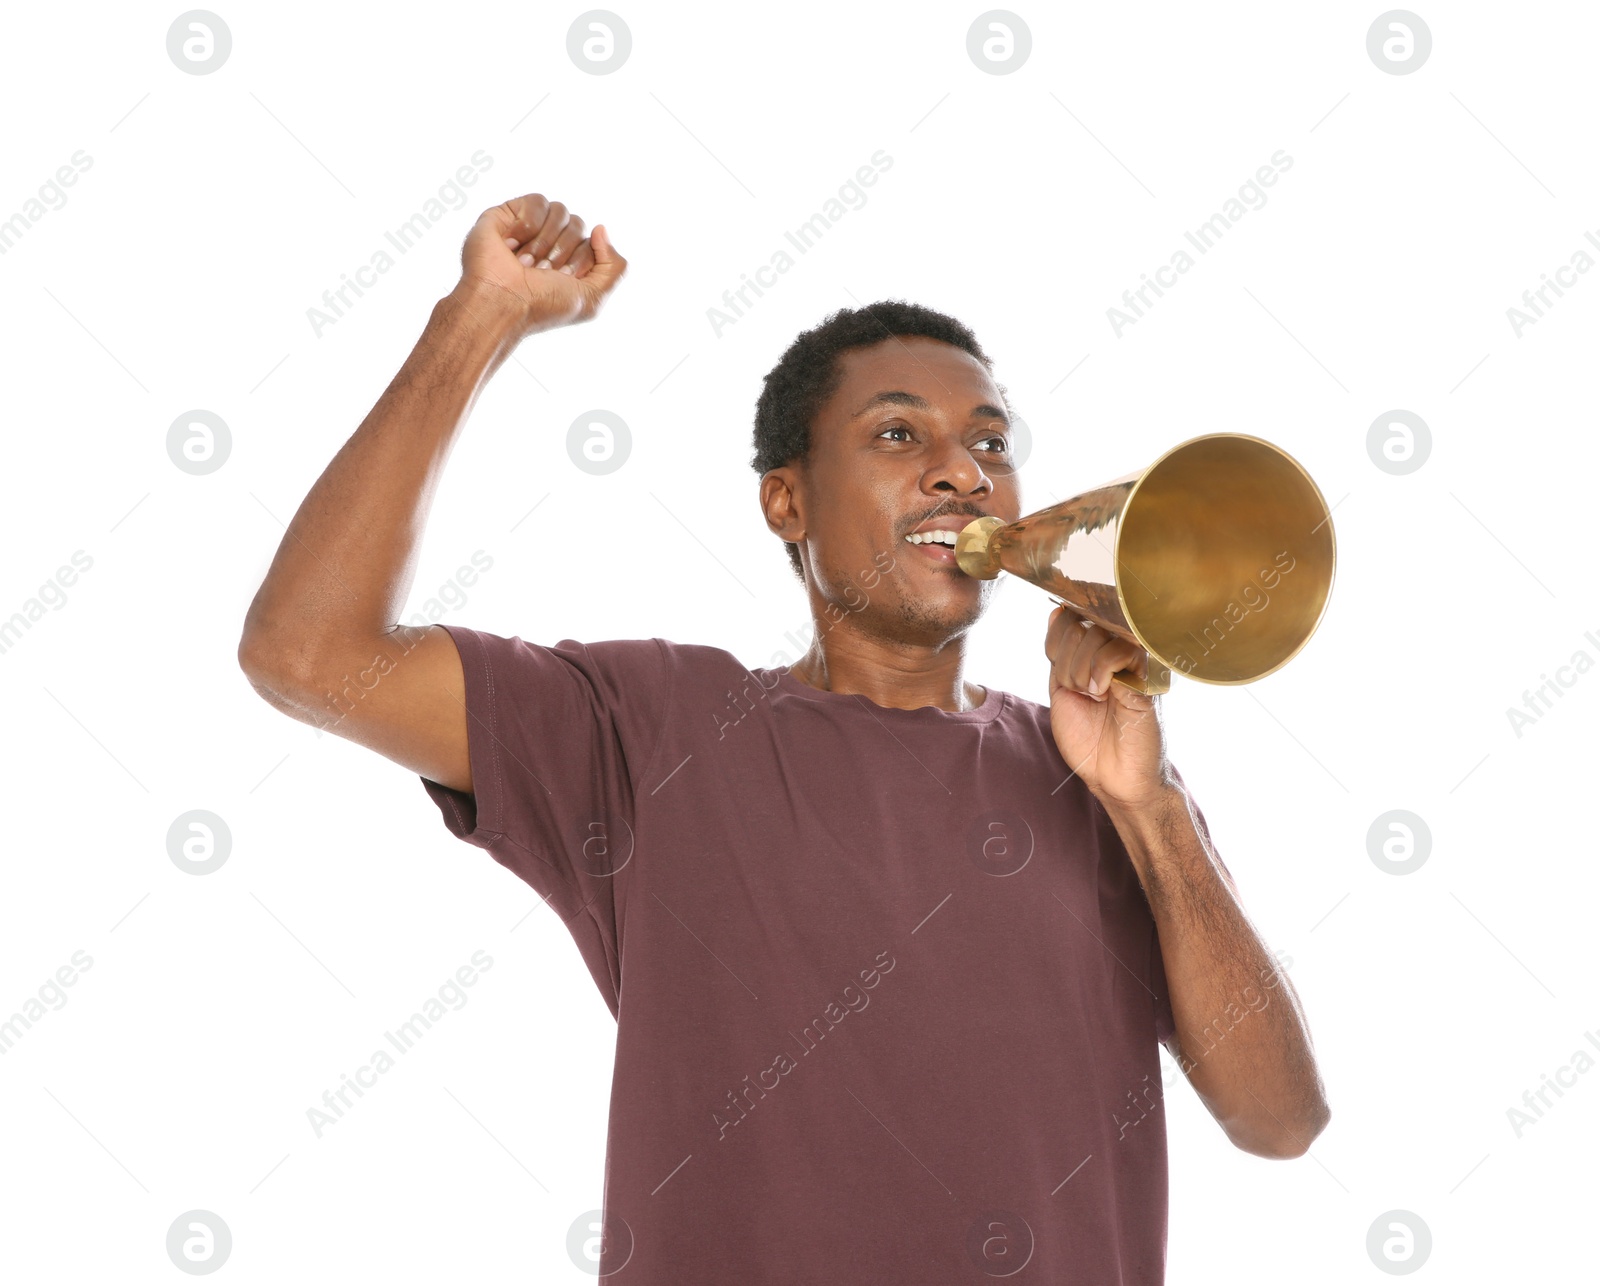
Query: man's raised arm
pixel 320 640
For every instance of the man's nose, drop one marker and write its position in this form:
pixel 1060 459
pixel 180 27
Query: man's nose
pixel 956 469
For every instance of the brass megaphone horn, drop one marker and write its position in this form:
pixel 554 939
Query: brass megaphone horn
pixel 1217 560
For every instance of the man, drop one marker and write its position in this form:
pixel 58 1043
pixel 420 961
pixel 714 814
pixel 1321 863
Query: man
pixel 889 952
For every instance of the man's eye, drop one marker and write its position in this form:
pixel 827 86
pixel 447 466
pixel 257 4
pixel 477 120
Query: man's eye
pixel 1001 447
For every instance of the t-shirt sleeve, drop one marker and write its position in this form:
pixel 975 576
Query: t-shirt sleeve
pixel 1165 1025
pixel 560 739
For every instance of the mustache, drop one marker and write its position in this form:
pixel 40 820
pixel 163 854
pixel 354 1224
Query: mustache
pixel 965 509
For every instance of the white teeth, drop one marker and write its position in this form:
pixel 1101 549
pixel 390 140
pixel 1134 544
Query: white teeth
pixel 933 537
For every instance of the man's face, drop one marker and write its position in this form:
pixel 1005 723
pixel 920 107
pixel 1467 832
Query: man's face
pixel 917 430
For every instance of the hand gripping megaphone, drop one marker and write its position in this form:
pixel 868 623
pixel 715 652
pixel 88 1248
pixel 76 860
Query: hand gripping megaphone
pixel 1217 560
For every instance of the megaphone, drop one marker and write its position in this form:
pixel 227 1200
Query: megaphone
pixel 1217 559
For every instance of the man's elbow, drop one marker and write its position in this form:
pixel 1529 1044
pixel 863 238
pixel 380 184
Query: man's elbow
pixel 1278 1142
pixel 278 674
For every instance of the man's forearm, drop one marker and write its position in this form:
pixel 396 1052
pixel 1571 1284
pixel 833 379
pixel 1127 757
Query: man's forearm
pixel 346 561
pixel 1261 1080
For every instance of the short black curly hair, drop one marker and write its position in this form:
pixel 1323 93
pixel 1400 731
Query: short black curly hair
pixel 807 375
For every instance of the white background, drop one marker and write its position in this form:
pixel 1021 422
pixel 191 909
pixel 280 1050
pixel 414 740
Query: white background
pixel 217 210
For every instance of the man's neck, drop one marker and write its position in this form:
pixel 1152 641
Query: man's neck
pixel 896 676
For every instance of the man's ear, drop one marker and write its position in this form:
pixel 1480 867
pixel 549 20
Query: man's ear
pixel 781 504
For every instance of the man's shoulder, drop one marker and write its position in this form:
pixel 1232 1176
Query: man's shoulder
pixel 688 662
pixel 675 654
pixel 683 655
pixel 613 659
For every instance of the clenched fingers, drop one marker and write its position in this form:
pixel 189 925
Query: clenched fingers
pixel 1084 656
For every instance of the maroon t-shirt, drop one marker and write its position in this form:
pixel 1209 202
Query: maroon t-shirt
pixel 888 993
